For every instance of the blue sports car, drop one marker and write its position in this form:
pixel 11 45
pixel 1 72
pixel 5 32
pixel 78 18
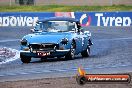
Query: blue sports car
pixel 56 37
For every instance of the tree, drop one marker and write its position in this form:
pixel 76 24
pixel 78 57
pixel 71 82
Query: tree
pixel 21 2
pixel 26 2
pixel 30 2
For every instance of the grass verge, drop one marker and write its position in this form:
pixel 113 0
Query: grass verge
pixel 63 8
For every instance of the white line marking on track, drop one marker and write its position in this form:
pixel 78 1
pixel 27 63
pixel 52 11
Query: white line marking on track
pixel 115 39
pixel 9 40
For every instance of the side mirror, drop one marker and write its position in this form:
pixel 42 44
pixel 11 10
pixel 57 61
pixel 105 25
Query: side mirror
pixel 32 30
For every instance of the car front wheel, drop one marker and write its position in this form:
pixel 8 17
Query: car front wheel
pixel 25 59
pixel 71 54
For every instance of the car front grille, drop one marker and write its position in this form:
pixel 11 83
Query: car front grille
pixel 44 46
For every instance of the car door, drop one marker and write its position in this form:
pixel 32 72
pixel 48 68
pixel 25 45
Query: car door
pixel 83 41
pixel 78 39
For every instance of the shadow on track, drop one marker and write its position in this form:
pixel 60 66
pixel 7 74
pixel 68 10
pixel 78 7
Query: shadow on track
pixel 56 60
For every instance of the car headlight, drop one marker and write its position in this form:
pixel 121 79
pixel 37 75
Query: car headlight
pixel 24 42
pixel 64 41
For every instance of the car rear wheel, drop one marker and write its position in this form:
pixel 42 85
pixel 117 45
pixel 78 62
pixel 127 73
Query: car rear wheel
pixel 86 53
pixel 25 59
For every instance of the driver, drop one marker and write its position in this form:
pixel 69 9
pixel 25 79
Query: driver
pixel 79 26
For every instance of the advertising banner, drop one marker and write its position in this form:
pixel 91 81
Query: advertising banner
pixel 105 18
pixel 85 18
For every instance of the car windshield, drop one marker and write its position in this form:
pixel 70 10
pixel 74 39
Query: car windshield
pixel 55 26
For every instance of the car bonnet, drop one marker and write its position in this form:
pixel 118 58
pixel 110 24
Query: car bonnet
pixel 46 37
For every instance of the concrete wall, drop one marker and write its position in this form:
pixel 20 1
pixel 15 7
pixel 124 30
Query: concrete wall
pixel 72 2
pixel 7 2
pixel 84 2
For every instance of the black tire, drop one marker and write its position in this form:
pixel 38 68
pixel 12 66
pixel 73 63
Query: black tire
pixel 25 59
pixel 86 53
pixel 71 54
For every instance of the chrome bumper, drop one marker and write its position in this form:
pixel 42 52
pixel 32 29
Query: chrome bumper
pixel 54 53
